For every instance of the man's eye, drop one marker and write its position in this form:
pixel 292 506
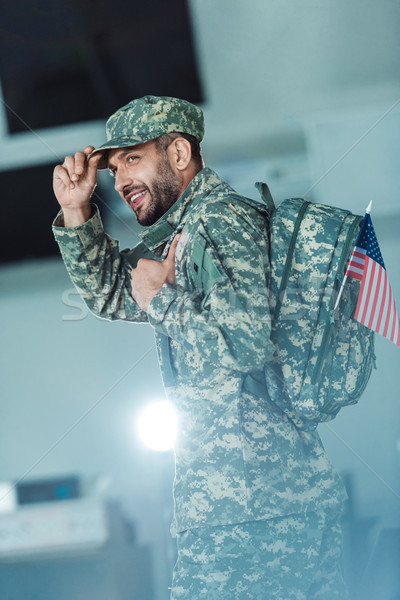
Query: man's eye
pixel 132 158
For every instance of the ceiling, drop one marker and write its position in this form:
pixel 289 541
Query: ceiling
pixel 267 68
pixel 267 65
pixel 279 78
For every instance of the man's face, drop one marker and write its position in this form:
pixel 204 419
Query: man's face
pixel 145 180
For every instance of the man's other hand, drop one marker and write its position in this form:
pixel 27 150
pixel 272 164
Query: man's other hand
pixel 150 275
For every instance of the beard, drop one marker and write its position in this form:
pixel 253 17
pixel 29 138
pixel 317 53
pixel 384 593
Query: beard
pixel 164 191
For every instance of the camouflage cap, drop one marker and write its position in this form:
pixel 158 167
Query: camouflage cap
pixel 149 117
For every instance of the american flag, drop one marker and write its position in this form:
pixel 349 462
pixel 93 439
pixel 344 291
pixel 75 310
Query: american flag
pixel 376 308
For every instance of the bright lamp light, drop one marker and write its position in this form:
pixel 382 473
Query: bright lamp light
pixel 157 425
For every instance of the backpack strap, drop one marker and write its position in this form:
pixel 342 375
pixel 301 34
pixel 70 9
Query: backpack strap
pixel 288 263
pixel 205 272
pixel 265 194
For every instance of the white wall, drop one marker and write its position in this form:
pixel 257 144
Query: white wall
pixel 71 392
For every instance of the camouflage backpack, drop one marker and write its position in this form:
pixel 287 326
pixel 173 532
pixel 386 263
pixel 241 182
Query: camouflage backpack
pixel 323 357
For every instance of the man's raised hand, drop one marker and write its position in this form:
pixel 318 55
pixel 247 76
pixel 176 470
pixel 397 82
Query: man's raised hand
pixel 74 182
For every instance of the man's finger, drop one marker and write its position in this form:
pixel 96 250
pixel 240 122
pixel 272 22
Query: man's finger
pixel 69 165
pixel 172 248
pixel 80 160
pixel 93 161
pixel 62 174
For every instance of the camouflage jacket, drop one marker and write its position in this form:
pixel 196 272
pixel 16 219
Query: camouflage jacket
pixel 238 456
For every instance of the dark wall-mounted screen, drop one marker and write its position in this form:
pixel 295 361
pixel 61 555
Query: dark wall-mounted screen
pixel 27 210
pixel 69 61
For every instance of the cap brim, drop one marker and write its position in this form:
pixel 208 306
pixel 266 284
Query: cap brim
pixel 121 142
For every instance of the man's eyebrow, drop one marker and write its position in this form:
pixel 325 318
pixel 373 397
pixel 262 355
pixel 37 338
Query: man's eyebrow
pixel 120 155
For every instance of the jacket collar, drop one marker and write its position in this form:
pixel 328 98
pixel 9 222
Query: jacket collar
pixel 201 186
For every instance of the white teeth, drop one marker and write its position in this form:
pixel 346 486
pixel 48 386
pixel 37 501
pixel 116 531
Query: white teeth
pixel 136 196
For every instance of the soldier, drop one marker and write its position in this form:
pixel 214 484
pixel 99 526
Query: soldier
pixel 257 503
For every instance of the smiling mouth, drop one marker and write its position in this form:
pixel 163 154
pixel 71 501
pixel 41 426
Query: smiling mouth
pixel 135 199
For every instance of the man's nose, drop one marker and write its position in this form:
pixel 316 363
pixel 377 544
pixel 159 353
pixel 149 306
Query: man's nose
pixel 122 179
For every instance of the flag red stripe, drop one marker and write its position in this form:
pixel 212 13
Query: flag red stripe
pixel 394 326
pixel 351 273
pixel 360 300
pixel 382 308
pixel 387 321
pixel 370 264
pixel 394 331
pixel 375 298
pixel 357 257
pixel 390 325
pixel 357 262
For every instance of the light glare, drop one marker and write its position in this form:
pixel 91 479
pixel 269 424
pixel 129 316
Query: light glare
pixel 157 426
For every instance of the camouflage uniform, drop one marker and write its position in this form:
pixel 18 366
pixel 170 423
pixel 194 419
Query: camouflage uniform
pixel 287 558
pixel 239 458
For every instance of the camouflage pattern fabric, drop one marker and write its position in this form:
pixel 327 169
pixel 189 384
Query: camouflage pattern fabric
pixel 324 358
pixel 239 457
pixel 147 118
pixel 286 558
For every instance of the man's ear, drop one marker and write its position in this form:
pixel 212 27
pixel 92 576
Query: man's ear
pixel 179 153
